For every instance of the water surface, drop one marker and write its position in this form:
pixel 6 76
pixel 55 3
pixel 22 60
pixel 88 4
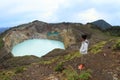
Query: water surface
pixel 37 47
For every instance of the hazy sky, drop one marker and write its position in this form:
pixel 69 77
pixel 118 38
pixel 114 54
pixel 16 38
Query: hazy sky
pixel 15 12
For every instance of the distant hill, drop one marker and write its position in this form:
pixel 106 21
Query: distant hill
pixel 3 29
pixel 102 24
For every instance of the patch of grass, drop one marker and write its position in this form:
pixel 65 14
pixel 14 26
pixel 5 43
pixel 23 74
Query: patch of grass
pixel 6 75
pixel 71 56
pixel 62 58
pixel 59 67
pixel 71 74
pixel 20 70
pixel 85 75
pixel 49 61
pixel 97 47
pixel 116 46
pixel 65 58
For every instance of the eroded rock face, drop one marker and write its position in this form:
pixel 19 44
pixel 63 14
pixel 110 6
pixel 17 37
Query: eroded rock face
pixel 68 33
pixel 32 31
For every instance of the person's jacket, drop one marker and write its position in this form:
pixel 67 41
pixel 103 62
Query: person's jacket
pixel 84 47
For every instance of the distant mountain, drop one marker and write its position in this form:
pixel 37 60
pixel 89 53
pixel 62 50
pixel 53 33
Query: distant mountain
pixel 3 29
pixel 102 24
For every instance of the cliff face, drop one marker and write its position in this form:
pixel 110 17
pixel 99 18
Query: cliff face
pixel 39 30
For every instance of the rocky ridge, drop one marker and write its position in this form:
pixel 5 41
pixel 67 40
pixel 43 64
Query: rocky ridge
pixel 65 32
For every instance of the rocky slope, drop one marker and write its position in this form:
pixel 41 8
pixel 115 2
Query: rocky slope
pixel 68 33
pixel 101 63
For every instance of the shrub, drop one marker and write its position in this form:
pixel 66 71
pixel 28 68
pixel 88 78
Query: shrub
pixel 116 46
pixel 20 70
pixel 71 74
pixel 85 75
pixel 59 67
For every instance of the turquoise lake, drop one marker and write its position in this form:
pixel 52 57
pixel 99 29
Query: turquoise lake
pixel 37 47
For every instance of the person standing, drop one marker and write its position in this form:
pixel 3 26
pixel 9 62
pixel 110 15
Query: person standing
pixel 83 50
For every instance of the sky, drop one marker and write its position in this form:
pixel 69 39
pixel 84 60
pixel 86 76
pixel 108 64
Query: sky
pixel 16 12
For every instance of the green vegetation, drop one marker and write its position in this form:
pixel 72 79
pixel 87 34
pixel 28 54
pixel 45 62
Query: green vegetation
pixel 114 31
pixel 49 61
pixel 1 42
pixel 61 60
pixel 71 56
pixel 7 74
pixel 71 74
pixel 85 75
pixel 64 58
pixel 20 70
pixel 116 46
pixel 97 47
pixel 59 67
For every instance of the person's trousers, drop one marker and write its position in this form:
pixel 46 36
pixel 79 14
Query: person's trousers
pixel 83 60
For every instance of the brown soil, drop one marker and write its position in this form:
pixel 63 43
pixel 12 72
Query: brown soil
pixel 104 65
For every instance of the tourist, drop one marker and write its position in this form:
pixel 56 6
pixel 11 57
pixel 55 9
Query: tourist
pixel 83 50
